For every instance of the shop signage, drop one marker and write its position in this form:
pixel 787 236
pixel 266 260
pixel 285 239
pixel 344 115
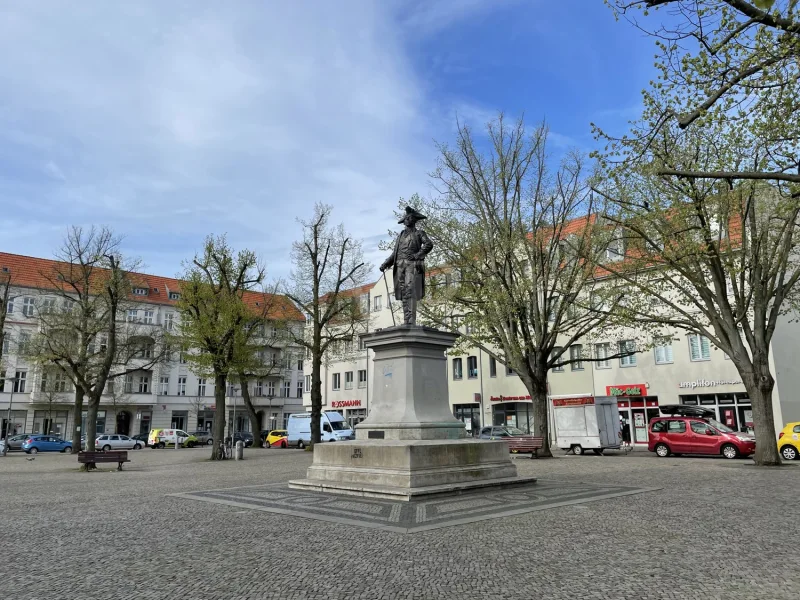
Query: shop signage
pixel 703 383
pixel 508 398
pixel 345 403
pixel 627 389
pixel 573 401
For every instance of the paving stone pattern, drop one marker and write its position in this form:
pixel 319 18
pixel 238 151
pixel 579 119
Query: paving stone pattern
pixel 717 529
pixel 420 515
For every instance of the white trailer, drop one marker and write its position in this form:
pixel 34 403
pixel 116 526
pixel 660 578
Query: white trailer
pixel 581 423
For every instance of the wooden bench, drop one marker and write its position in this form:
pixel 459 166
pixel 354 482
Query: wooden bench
pixel 524 443
pixel 112 456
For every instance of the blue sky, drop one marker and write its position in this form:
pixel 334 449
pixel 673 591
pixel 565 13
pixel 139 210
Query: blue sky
pixel 172 120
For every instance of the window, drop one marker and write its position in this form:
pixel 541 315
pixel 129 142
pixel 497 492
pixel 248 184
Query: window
pixel 146 350
pixel 103 344
pixel 6 344
pixel 363 302
pixel 699 347
pixel 181 386
pixel 348 380
pixel 23 342
pixel 377 303
pixel 144 384
pixel 2 381
pixel 699 427
pixel 287 388
pixel 28 306
pixel 299 388
pixel 362 345
pixel 362 378
pixel 110 386
pixel 663 350
pixel 128 384
pixel 10 306
pixel 169 321
pixel 472 367
pixel 140 291
pixel 148 317
pixel 174 296
pixel 231 390
pixel 553 311
pixel 558 366
pixel 308 383
pixel 182 358
pixel 676 427
pixel 492 366
pixel 575 355
pixel 627 346
pixel 336 381
pixel 509 371
pixel 48 306
pixel 258 389
pixel 457 373
pixel 616 248
pixel 164 385
pixel 299 360
pixel 271 389
pixel 601 353
pixel 133 315
pixel 54 381
pixel 659 426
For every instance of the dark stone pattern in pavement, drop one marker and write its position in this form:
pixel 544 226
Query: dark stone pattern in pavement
pixel 411 517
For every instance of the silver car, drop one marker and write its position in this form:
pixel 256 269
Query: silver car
pixel 15 441
pixel 108 442
pixel 203 437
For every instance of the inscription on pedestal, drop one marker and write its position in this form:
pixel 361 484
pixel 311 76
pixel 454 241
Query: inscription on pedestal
pixel 356 453
pixel 375 435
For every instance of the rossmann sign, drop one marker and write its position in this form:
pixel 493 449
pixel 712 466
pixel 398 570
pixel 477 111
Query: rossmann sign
pixel 345 403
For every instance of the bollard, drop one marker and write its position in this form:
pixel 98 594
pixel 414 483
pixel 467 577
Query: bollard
pixel 239 450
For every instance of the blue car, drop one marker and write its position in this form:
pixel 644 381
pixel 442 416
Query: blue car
pixel 46 443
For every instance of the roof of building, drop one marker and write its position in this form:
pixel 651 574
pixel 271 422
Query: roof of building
pixel 32 272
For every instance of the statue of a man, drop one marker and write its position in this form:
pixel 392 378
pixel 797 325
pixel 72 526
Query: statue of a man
pixel 409 267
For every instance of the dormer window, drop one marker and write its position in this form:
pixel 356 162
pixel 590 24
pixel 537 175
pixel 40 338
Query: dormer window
pixel 174 296
pixel 616 248
pixel 155 290
pixel 140 291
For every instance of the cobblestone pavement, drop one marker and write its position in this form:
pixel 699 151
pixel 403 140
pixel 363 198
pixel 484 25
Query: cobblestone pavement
pixel 718 530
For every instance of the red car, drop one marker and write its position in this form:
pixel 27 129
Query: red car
pixel 693 430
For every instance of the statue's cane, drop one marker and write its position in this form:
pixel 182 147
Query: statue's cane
pixel 388 297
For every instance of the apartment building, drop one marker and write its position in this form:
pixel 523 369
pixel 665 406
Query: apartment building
pixel 679 368
pixel 165 394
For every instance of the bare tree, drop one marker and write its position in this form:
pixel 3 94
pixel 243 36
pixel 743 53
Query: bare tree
pixel 213 314
pixel 507 233
pixel 328 263
pixel 81 329
pixel 5 291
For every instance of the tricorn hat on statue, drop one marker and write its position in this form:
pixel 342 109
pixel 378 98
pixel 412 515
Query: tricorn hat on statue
pixel 410 211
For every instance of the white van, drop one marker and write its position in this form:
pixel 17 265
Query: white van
pixel 332 424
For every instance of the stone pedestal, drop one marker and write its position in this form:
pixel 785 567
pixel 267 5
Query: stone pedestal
pixel 410 445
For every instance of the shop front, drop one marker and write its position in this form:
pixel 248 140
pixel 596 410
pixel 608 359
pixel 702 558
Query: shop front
pixel 513 411
pixel 351 410
pixel 470 415
pixel 732 408
pixel 636 408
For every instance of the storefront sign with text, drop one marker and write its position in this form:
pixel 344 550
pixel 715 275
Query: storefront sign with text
pixel 627 389
pixel 345 403
pixel 509 398
pixel 573 401
pixel 706 383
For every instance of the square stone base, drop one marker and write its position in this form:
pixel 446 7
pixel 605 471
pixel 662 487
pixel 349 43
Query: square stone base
pixel 405 469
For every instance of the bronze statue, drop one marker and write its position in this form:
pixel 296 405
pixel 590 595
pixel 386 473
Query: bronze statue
pixel 408 260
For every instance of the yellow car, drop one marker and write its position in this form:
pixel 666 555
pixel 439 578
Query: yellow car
pixel 789 441
pixel 276 437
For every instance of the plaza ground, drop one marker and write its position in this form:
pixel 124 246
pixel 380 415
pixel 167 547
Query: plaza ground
pixel 716 529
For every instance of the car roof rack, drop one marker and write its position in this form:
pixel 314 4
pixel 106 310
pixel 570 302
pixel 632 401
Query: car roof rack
pixel 683 410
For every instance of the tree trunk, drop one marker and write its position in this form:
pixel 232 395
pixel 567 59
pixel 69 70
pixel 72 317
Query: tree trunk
pixel 219 414
pixel 91 428
pixel 255 425
pixel 537 388
pixel 759 385
pixel 316 397
pixel 77 417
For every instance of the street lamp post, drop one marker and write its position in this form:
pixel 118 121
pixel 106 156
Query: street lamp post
pixel 13 381
pixel 270 396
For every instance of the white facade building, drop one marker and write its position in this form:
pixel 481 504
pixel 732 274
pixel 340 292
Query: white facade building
pixel 168 394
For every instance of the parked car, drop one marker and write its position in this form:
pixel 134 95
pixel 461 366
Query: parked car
pixel 333 428
pixel 693 430
pixel 241 436
pixel 15 441
pixel 46 443
pixel 142 437
pixel 788 441
pixel 161 438
pixel 115 441
pixel 203 437
pixel 277 438
pixel 495 432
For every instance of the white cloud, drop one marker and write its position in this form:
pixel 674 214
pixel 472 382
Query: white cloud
pixel 172 120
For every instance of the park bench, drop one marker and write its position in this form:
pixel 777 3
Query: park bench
pixel 524 443
pixel 113 456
